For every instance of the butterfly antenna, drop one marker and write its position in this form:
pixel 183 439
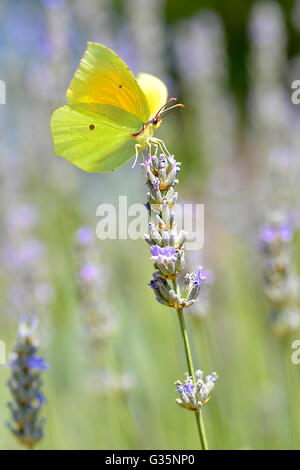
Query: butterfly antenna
pixel 162 108
pixel 165 112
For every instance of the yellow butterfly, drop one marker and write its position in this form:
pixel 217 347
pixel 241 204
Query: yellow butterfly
pixel 110 116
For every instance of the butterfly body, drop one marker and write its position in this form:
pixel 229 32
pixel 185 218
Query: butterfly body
pixel 110 115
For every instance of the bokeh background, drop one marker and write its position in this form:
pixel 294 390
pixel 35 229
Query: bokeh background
pixel 114 352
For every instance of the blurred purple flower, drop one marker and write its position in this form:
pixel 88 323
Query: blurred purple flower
pixel 265 27
pixel 18 296
pixel 268 234
pixel 10 256
pixel 22 216
pixel 26 29
pixel 54 4
pixel 89 272
pixel 31 251
pixel 286 233
pixel 26 255
pixel 84 235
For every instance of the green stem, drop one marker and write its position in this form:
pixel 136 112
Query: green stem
pixel 291 395
pixel 188 355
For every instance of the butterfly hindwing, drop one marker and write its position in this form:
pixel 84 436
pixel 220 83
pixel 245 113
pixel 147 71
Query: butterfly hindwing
pixel 93 137
pixel 155 91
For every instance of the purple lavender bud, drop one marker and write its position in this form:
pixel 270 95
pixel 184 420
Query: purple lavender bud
pixel 40 398
pixel 146 163
pixel 163 163
pixel 156 184
pixel 38 363
pixel 175 165
pixel 27 328
pixel 189 388
pixel 200 277
pixel 179 389
pixel 211 378
pixel 153 283
pixel 161 253
pixel 12 361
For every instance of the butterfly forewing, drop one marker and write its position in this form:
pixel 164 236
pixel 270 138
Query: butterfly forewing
pixel 103 78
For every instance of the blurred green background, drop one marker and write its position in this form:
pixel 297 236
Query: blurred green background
pixel 203 51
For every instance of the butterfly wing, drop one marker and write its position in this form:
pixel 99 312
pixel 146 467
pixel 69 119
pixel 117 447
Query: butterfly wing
pixel 96 138
pixel 106 107
pixel 155 91
pixel 103 78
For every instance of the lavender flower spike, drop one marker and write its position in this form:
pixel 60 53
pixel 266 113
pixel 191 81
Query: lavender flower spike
pixel 281 282
pixel 166 244
pixel 25 386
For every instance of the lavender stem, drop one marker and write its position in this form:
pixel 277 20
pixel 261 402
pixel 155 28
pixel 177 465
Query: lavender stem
pixel 188 355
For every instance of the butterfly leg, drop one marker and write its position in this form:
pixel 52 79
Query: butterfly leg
pixel 164 146
pixel 156 149
pixel 137 149
pixel 148 141
pixel 161 144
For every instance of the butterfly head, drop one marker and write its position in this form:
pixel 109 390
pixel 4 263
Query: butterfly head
pixel 147 130
pixel 163 112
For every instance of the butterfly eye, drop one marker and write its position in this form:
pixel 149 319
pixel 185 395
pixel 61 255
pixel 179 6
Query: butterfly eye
pixel 92 127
